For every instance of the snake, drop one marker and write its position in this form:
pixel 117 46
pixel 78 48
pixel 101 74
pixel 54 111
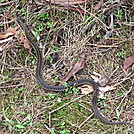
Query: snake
pixel 44 85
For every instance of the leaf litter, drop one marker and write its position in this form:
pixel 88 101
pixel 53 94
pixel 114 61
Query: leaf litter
pixel 102 64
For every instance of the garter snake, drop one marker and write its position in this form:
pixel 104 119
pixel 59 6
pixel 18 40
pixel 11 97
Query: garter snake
pixel 61 88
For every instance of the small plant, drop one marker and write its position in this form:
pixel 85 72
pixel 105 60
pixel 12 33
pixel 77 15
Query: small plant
pixel 31 59
pixel 119 14
pixel 94 61
pixel 53 48
pixel 120 54
pixel 16 125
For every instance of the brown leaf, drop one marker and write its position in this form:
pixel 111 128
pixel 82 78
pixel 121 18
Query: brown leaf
pixel 77 9
pixel 6 34
pixel 102 90
pixel 99 5
pixel 86 89
pixel 14 31
pixel 78 66
pixel 22 39
pixel 69 4
pixel 66 2
pixel 128 61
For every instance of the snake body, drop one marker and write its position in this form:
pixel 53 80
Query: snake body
pixel 46 86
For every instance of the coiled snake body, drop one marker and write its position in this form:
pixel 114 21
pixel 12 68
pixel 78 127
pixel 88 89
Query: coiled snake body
pixel 61 88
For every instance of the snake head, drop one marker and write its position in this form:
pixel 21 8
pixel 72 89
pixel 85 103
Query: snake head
pixel 19 20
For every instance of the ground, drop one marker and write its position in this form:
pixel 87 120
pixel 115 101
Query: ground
pixel 63 36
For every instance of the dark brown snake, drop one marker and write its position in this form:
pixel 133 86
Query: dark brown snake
pixel 46 86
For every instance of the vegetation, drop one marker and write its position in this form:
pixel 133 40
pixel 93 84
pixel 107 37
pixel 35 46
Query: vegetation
pixel 63 35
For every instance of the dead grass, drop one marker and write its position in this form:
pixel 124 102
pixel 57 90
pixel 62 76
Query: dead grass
pixel 27 108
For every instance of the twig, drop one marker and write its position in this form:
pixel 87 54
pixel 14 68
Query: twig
pixel 12 86
pixel 49 129
pixel 106 46
pixel 85 121
pixel 7 3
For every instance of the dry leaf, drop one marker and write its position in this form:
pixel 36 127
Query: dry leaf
pixel 86 89
pixel 6 34
pixel 99 5
pixel 102 90
pixel 95 78
pixel 78 66
pixel 70 4
pixel 102 80
pixel 5 40
pixel 77 9
pixel 14 31
pixel 22 39
pixel 128 61
pixel 66 2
